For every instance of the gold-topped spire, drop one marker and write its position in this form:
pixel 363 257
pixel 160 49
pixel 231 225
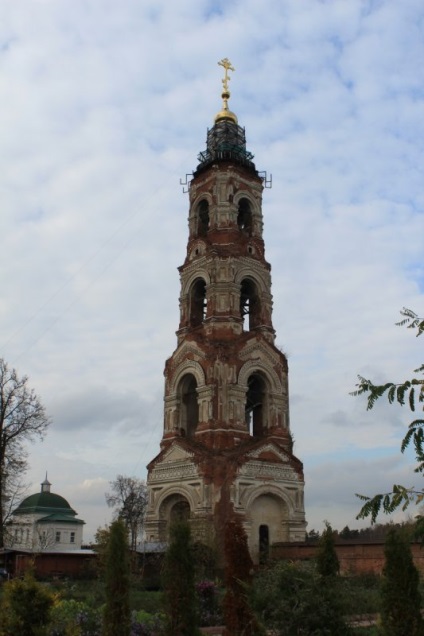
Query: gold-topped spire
pixel 226 113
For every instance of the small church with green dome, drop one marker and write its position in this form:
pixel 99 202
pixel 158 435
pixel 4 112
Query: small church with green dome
pixel 44 521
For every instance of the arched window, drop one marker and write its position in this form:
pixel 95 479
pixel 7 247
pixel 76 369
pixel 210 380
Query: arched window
pixel 202 218
pixel 249 304
pixel 244 217
pixel 263 543
pixel 189 405
pixel 197 302
pixel 255 398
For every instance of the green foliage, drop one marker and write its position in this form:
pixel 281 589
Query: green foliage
pixel 238 616
pixel 410 392
pixel 178 583
pixel 101 539
pixel 326 557
pixel 74 618
pixel 400 597
pixel 117 618
pixel 359 594
pixel 25 608
pixel 292 599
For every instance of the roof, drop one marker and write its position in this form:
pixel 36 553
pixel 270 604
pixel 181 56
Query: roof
pixel 44 502
pixel 58 516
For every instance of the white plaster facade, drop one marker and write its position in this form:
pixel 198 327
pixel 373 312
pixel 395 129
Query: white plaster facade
pixel 44 522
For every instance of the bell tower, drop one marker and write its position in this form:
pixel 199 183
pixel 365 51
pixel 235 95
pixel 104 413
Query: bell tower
pixel 226 447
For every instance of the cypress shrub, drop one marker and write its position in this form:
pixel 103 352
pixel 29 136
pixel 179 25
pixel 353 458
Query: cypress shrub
pixel 400 597
pixel 178 583
pixel 117 616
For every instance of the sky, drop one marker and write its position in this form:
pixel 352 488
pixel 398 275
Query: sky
pixel 105 106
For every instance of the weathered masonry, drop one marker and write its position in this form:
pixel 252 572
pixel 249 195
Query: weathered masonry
pixel 226 446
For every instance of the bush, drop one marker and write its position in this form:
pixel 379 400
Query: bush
pixel 295 599
pixel 25 608
pixel 75 618
pixel 145 624
pixel 208 601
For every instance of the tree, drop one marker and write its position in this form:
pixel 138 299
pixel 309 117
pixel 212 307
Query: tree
pixel 410 392
pixel 117 616
pixel 22 418
pixel 327 559
pixel 400 597
pixel 101 540
pixel 238 616
pixel 129 498
pixel 178 583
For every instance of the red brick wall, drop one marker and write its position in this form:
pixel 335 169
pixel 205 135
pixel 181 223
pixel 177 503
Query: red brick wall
pixel 355 558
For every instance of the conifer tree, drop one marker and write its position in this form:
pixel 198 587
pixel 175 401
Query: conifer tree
pixel 117 617
pixel 238 616
pixel 178 583
pixel 400 597
pixel 327 559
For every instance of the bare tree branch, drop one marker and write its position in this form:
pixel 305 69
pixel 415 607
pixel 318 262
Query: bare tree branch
pixel 22 418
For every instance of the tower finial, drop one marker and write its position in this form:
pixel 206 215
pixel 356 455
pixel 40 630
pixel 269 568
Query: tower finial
pixel 226 113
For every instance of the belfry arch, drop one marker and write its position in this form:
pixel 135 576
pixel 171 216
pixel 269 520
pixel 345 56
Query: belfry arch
pixel 189 406
pixel 202 216
pixel 250 304
pixel 244 216
pixel 256 405
pixel 198 302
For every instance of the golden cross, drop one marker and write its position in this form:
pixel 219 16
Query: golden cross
pixel 228 67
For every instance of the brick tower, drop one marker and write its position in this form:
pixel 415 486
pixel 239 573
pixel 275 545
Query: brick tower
pixel 226 447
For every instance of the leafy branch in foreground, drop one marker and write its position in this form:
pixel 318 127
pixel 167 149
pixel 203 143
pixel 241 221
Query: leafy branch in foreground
pixel 410 392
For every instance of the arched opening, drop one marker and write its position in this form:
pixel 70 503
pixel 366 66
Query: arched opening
pixel 263 544
pixel 189 405
pixel 249 304
pixel 202 218
pixel 180 511
pixel 255 398
pixel 269 517
pixel 173 508
pixel 198 302
pixel 244 217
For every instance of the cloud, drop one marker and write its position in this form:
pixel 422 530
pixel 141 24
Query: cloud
pixel 99 408
pixel 106 109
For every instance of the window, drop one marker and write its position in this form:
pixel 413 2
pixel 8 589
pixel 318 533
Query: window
pixel 203 218
pixel 254 405
pixel 72 537
pixel 57 536
pixel 249 305
pixel 197 302
pixel 189 405
pixel 263 544
pixel 244 217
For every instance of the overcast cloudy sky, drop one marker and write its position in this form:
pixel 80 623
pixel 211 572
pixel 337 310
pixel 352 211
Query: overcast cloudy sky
pixel 105 106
